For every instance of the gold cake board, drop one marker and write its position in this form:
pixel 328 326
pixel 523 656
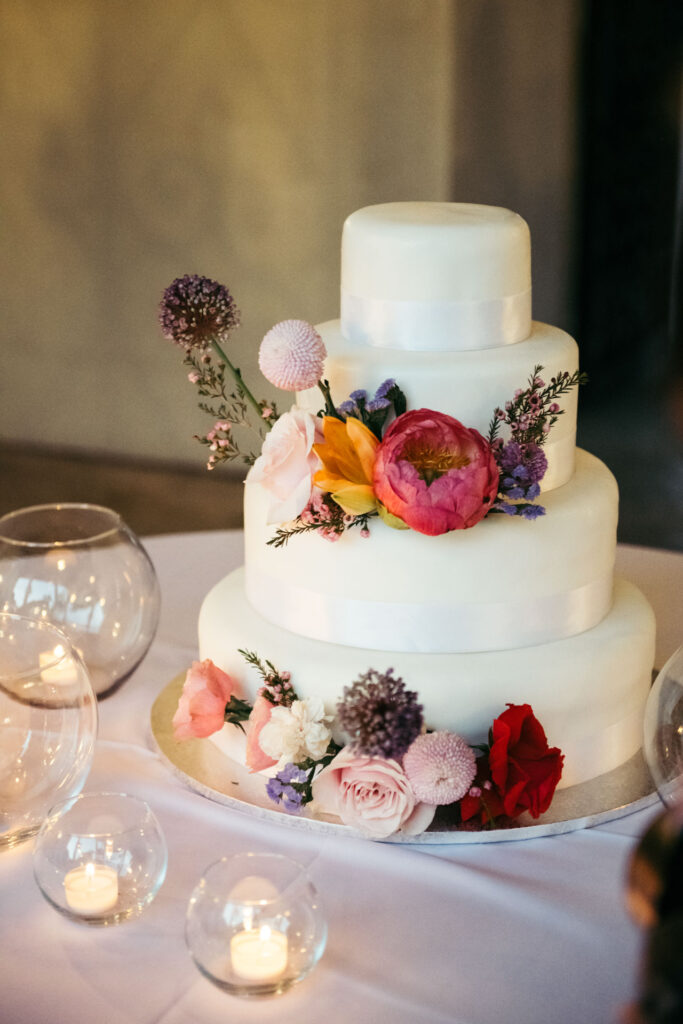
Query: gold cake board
pixel 206 770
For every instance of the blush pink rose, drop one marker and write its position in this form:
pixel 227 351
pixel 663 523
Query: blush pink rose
pixel 371 794
pixel 201 708
pixel 256 758
pixel 287 462
pixel 434 473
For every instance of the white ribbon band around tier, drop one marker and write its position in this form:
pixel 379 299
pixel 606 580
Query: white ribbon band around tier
pixel 433 326
pixel 428 628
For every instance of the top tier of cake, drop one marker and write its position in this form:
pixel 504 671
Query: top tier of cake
pixel 435 276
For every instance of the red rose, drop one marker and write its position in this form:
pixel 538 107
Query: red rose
pixel 521 769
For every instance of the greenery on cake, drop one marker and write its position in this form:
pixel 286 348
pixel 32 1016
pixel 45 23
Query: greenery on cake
pixel 391 774
pixel 368 456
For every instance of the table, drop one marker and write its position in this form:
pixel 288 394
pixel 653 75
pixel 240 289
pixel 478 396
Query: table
pixel 529 932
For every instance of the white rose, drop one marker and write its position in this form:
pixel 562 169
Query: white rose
pixel 296 732
pixel 287 463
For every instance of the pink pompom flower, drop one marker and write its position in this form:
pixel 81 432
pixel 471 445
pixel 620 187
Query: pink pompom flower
pixel 201 708
pixel 372 794
pixel 291 355
pixel 434 473
pixel 440 767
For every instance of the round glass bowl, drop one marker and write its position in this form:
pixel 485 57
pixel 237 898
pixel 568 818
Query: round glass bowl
pixel 81 568
pixel 254 925
pixel 100 858
pixel 663 731
pixel 48 724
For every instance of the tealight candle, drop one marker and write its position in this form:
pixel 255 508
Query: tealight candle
pixel 259 954
pixel 60 672
pixel 91 888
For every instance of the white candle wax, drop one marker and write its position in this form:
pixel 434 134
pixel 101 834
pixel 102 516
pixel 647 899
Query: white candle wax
pixel 60 672
pixel 91 888
pixel 259 954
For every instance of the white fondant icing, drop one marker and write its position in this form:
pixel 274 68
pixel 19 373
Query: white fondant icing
pixel 310 586
pixel 466 385
pixel 588 691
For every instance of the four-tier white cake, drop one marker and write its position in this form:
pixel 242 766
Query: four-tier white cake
pixel 438 297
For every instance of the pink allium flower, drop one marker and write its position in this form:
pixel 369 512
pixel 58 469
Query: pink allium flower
pixel 201 708
pixel 371 794
pixel 291 355
pixel 440 767
pixel 287 462
pixel 434 473
pixel 256 758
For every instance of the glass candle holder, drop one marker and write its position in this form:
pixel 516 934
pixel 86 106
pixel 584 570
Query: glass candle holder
pixel 82 569
pixel 663 731
pixel 100 858
pixel 48 724
pixel 254 925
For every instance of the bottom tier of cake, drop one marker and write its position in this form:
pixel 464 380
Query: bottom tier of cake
pixel 589 691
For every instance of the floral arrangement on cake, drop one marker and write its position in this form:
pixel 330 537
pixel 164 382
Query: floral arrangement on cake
pixel 368 456
pixel 392 774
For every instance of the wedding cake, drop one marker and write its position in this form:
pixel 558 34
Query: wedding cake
pixel 437 297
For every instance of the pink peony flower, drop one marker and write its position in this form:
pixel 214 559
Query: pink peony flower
pixel 371 794
pixel 287 462
pixel 201 708
pixel 291 355
pixel 256 758
pixel 434 473
pixel 440 767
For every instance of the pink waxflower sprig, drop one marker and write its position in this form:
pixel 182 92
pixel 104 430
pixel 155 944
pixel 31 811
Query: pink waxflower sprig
pixel 530 414
pixel 534 410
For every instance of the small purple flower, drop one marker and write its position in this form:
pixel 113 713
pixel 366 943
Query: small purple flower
pixel 380 715
pixel 281 788
pixel 385 387
pixel 195 311
pixel 347 408
pixel 506 507
pixel 532 511
pixel 358 396
pixel 377 403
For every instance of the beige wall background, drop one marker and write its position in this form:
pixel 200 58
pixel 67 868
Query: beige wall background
pixel 144 140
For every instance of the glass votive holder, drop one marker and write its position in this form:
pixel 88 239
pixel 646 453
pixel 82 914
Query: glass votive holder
pixel 48 724
pixel 100 858
pixel 254 925
pixel 663 731
pixel 81 568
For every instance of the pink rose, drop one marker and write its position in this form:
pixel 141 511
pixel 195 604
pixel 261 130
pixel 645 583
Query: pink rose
pixel 371 794
pixel 287 463
pixel 256 759
pixel 201 708
pixel 434 473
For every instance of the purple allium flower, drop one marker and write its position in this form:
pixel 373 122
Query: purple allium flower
pixel 195 311
pixel 380 715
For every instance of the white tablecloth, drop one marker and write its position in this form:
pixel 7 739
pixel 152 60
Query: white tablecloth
pixel 529 932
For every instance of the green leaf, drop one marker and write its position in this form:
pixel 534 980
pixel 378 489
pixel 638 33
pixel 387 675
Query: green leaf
pixel 393 521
